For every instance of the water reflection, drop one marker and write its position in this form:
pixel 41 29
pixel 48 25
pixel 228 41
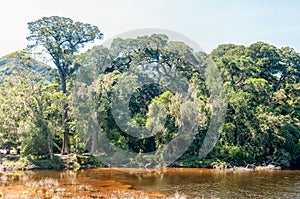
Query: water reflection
pixel 192 182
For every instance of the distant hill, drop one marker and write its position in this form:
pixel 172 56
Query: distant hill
pixel 17 65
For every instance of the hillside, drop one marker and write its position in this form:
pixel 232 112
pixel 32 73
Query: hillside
pixel 19 64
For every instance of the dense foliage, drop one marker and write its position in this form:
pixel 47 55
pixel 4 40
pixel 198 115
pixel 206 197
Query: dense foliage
pixel 62 38
pixel 262 92
pixel 262 87
pixel 262 122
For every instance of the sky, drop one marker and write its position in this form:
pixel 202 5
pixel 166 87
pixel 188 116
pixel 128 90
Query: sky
pixel 207 22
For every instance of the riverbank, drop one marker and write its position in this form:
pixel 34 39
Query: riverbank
pixel 58 162
pixel 222 165
pixel 75 162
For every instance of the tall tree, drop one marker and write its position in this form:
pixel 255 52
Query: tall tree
pixel 62 38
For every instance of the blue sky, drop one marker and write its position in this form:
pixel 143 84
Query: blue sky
pixel 207 22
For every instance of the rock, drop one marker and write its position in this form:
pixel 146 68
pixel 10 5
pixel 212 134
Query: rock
pixel 12 157
pixel 7 168
pixel 97 196
pixel 60 190
pixel 242 169
pixel 269 167
pixel 251 166
pixel 4 178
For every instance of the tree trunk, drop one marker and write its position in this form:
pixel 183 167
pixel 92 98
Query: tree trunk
pixel 50 149
pixel 66 142
pixel 281 80
pixel 65 117
pixel 95 130
pixel 94 143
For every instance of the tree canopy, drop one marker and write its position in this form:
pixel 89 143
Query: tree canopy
pixel 261 82
pixel 62 38
pixel 262 92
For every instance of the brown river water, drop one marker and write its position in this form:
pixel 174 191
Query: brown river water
pixel 205 183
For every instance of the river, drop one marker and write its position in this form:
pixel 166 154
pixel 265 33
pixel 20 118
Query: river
pixel 206 183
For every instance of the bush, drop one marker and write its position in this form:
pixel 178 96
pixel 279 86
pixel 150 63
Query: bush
pixel 235 155
pixel 46 163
